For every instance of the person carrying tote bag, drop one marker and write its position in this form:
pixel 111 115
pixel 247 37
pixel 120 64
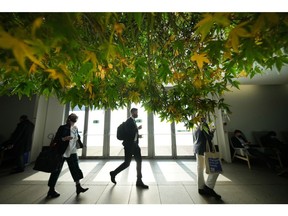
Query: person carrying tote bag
pixel 65 142
pixel 201 136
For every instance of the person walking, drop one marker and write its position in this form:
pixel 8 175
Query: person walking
pixel 203 136
pixel 65 142
pixel 131 148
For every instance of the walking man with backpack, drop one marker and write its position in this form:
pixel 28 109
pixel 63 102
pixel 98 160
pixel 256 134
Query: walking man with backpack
pixel 131 147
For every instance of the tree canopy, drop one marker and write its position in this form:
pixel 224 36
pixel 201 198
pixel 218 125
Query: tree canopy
pixel 176 64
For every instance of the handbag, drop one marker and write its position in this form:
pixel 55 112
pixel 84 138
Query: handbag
pixel 79 144
pixel 213 162
pixel 48 160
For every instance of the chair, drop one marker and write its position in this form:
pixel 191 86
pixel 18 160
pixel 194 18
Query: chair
pixel 240 153
pixel 271 152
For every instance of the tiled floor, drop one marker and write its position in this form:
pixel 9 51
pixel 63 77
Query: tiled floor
pixel 170 182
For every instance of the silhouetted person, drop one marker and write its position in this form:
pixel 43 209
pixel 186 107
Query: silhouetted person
pixel 239 141
pixel 20 142
pixel 270 140
pixel 65 141
pixel 202 136
pixel 131 148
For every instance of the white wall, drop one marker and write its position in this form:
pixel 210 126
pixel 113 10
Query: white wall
pixel 257 108
pixel 50 115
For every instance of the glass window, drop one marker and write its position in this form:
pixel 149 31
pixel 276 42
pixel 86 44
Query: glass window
pixel 162 137
pixel 117 117
pixel 184 140
pixel 95 132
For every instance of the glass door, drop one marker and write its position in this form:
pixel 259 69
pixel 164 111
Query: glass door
pixel 184 140
pixel 95 132
pixel 117 117
pixel 162 137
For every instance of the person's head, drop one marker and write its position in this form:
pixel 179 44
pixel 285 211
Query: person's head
pixel 134 112
pixel 72 118
pixel 23 118
pixel 237 133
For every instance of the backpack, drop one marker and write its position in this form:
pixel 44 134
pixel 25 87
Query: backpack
pixel 121 131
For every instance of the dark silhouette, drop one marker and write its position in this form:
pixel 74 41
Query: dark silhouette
pixel 202 136
pixel 270 140
pixel 239 141
pixel 65 142
pixel 20 142
pixel 131 148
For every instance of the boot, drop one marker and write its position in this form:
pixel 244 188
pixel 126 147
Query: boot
pixel 52 193
pixel 79 189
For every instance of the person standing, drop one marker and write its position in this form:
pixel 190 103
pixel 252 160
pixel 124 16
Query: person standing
pixel 20 142
pixel 131 148
pixel 65 142
pixel 202 137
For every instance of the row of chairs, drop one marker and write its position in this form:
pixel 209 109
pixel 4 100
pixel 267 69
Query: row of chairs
pixel 243 154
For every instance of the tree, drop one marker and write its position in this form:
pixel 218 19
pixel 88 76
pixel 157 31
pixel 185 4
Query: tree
pixel 176 64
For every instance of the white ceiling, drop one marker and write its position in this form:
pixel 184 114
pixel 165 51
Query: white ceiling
pixel 267 78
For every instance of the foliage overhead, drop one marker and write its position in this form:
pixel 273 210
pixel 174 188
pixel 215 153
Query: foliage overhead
pixel 176 64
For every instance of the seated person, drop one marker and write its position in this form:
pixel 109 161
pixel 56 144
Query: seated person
pixel 240 141
pixel 270 140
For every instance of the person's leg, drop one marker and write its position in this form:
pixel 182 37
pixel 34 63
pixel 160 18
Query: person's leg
pixel 200 171
pixel 124 165
pixel 76 172
pixel 210 184
pixel 53 180
pixel 138 159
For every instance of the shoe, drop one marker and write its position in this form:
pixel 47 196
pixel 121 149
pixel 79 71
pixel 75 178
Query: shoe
pixel 212 192
pixel 79 189
pixel 203 192
pixel 52 194
pixel 140 184
pixel 112 176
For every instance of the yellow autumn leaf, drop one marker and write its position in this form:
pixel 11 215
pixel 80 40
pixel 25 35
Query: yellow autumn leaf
pixel 20 50
pixel 237 33
pixel 243 73
pixel 134 96
pixel 131 80
pixel 203 26
pixel 56 75
pixel 171 109
pixel 89 87
pixel 33 68
pixel 119 27
pixel 110 66
pixel 90 56
pixel 197 82
pixel 200 59
pixel 64 68
pixel 36 24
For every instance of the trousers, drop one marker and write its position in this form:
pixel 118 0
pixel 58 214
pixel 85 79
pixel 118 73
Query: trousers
pixel 74 169
pixel 211 179
pixel 129 152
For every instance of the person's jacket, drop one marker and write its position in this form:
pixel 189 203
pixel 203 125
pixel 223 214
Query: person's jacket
pixel 131 130
pixel 58 143
pixel 200 138
pixel 22 137
pixel 236 142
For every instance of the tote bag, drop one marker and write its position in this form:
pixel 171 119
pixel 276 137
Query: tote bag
pixel 213 162
pixel 48 160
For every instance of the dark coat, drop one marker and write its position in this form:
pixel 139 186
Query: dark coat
pixel 21 138
pixel 131 130
pixel 200 137
pixel 236 142
pixel 58 143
